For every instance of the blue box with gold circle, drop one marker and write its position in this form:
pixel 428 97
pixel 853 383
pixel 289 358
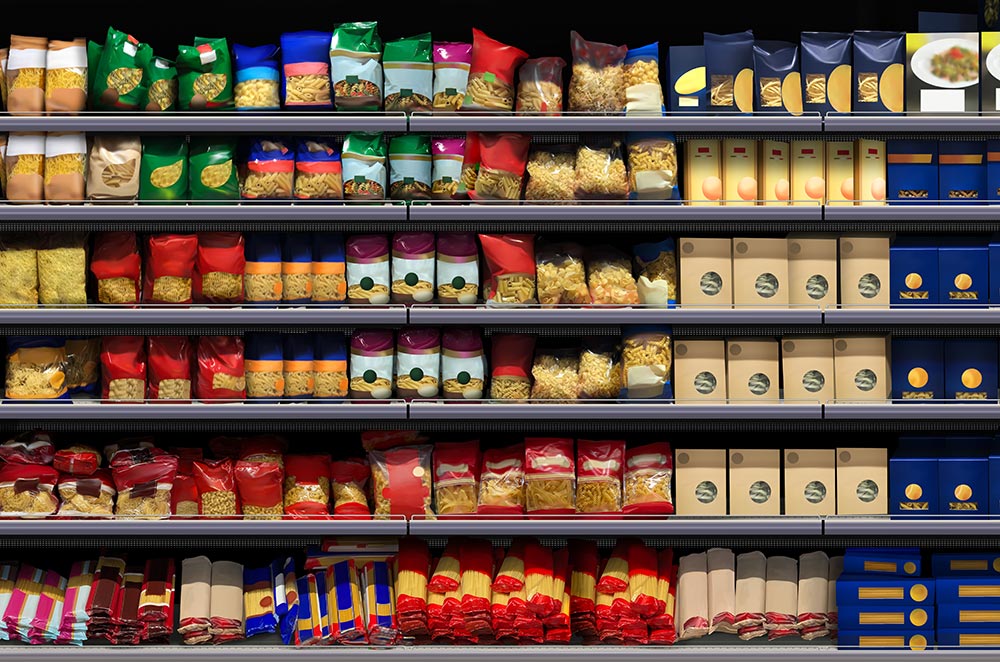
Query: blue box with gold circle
pixel 880 617
pixel 964 273
pixel 995 268
pixel 970 369
pixel 899 561
pixel 964 479
pixel 917 369
pixel 913 272
pixel 888 591
pixel 968 590
pixel 888 639
pixel 981 564
pixel 913 477
pixel 968 636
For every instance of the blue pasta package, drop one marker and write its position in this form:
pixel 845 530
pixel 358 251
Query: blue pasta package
pixel 889 639
pixel 964 564
pixel 899 561
pixel 645 95
pixel 913 477
pixel 964 478
pixel 297 367
pixel 319 173
pixel 826 71
pixel 653 166
pixel 878 618
pixel 878 71
pixel 330 366
pixel 913 272
pixel 968 590
pixel 964 270
pixel 269 169
pixel 305 70
pixel 657 281
pixel 911 171
pixel 917 369
pixel 870 589
pixel 729 71
pixel 263 364
pixel 259 617
pixel 968 637
pixel 256 77
pixel 962 171
pixel 329 268
pixel 970 369
pixel 688 86
pixel 296 268
pixel 778 85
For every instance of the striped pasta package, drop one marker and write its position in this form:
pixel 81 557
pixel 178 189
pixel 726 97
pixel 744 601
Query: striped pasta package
pixel 44 624
pixel 156 602
pixel 256 77
pixel 345 605
pixel 330 366
pixel 560 586
pixel 322 606
pixel 664 617
pixel 287 585
pixel 73 626
pixel 23 601
pixel 476 561
pixel 308 630
pixel 379 600
pixel 412 571
pixel 262 271
pixel 305 68
pixel 258 601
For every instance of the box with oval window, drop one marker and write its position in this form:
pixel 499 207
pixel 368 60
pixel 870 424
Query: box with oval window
pixel 861 369
pixel 964 270
pixel 970 369
pixel 807 369
pixel 810 481
pixel 913 272
pixel 913 477
pixel 917 369
pixel 942 72
pixel 864 271
pixel 752 370
pixel 701 481
pixel 754 482
pixel 706 266
pixel 699 371
pixel 760 272
pixel 812 270
pixel 862 481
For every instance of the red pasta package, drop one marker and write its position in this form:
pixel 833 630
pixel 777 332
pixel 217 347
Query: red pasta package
pixel 491 74
pixel 501 484
pixel 412 570
pixel 217 488
pixel 476 562
pixel 583 581
pixel 614 577
pixel 599 466
pixel 456 473
pixel 510 261
pixel 116 266
pixel 447 572
pixel 260 486
pixel 77 460
pixel 377 440
pixel 126 452
pixel 664 577
pixel 123 368
pixel 549 476
pixel 170 360
pixel 503 158
pixel 28 490
pixel 34 447
pixel 649 473
pixel 184 499
pixel 350 480
pixel 560 591
pixel 307 486
pixel 538 579
pixel 144 487
pixel 220 369
pixel 643 580
pixel 511 358
pixel 87 496
pixel 169 272
pixel 218 276
pixel 401 481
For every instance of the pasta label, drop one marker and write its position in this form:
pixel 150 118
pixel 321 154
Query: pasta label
pixel 413 277
pixel 371 374
pixel 368 280
pixel 418 372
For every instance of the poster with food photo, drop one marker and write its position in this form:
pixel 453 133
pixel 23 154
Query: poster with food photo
pixel 942 72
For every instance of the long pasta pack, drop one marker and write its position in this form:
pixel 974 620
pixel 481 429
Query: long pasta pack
pixel 23 601
pixel 476 562
pixel 538 579
pixel 501 485
pixel 599 466
pixel 73 626
pixel 510 576
pixel 665 616
pixel 308 631
pixel 345 605
pixel 560 592
pixel 322 606
pixel 448 571
pixel 549 476
pixel 258 601
pixel 456 473
pixel 643 580
pixel 649 473
pixel 614 578
pixel 583 586
pixel 380 604
pixel 412 570
pixel 288 585
pixel 44 624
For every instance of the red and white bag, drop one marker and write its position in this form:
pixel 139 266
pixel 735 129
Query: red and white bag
pixel 123 368
pixel 87 496
pixel 260 487
pixel 170 359
pixel 28 490
pixel 307 486
pixel 77 460
pixel 34 447
pixel 349 480
pixel 456 473
pixel 649 474
pixel 599 470
pixel 144 487
pixel 220 369
pixel 501 485
pixel 510 262
pixel 549 476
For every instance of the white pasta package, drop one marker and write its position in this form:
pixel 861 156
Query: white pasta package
pixel 721 565
pixel 751 578
pixel 463 364
pixel 367 269
pixel 814 571
pixel 692 597
pixel 356 66
pixel 371 364
pixel 413 262
pixel 457 268
pixel 781 597
pixel 836 566
pixel 418 363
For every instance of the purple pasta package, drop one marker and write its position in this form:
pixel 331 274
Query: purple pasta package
pixel 418 363
pixel 463 364
pixel 451 74
pixel 372 364
pixel 457 268
pixel 368 269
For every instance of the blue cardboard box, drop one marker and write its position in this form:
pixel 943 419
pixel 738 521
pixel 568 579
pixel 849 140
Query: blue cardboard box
pixel 688 87
pixel 913 272
pixel 894 639
pixel 993 166
pixel 980 564
pixel 913 477
pixel 969 616
pixel 887 591
pixel 970 369
pixel 967 637
pixel 967 590
pixel 964 481
pixel 995 270
pixel 962 173
pixel 881 617
pixel 911 171
pixel 964 272
pixel 899 561
pixel 917 369
pixel 994 461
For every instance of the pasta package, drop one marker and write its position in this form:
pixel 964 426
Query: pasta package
pixel 262 272
pixel 503 158
pixel 264 366
pixel 649 473
pixel 123 368
pixel 368 269
pixel 169 273
pixel 330 366
pixel 297 367
pixel 329 268
pixel 510 260
pixel 599 472
pixel 305 70
pixel 296 268
pixel 657 282
pixel 221 374
pixel 826 71
pixel 205 75
pixel 457 268
pixel 652 166
pixel 456 474
pixel 600 171
pixel 4 54
pixel 729 70
pixel 549 476
pixel 409 73
pixel 643 93
pixel 539 581
pixel 24 163
pixel 144 487
pixel 778 81
pixel 216 487
pixel 113 168
pixel 319 173
pixel 446 167
pixel 491 74
pixel 364 156
pixel 212 173
pixel 256 77
pixel 66 76
pixel 470 165
pixel 371 364
pixel 551 174
pixel 410 167
pixel 511 357
pixel 270 170
pixel 350 481
pixel 555 374
pixel 418 363
pixel 218 275
pixel 501 483
pixel 412 568
pixel 19 264
pixel 307 485
pixel 169 373
pixel 463 364
pixel 646 362
pixel 36 368
pixel 25 74
pixel 539 87
pixel 34 447
pixel 562 278
pixel 600 370
pixel 164 168
pixel 402 481
pixel 447 575
pixel 609 277
pixel 597 84
pixel 65 166
pixel 28 490
pixel 62 269
pixel 413 261
pixel 451 74
pixel 878 66
pixel 355 66
pixel 161 75
pixel 77 460
pixel 118 77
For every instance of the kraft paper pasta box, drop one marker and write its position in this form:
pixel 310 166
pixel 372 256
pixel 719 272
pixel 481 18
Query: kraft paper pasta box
pixel 688 87
pixel 898 561
pixel 826 72
pixel 913 478
pixel 754 482
pixel 964 480
pixel 970 617
pixel 913 272
pixel 894 639
pixel 703 172
pixel 993 165
pixel 760 271
pixel 706 272
pixel 869 172
pixel 962 173
pixel 967 637
pixel 888 591
pixel 701 481
pixel 862 482
pixel 964 272
pixel 861 369
pixel 839 174
pixel 808 172
pixel 864 271
pixel 970 369
pixel 699 371
pixel 880 618
pixel 810 481
pixel 917 369
pixel 979 564
pixel 968 590
pixel 989 70
pixel 942 72
pixel 739 172
pixel 752 370
pixel 911 171
pixel 812 270
pixel 773 185
pixel 807 369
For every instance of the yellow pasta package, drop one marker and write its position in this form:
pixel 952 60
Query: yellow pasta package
pixel 549 478
pixel 599 466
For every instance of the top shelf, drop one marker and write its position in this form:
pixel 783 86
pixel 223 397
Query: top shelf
pixel 219 122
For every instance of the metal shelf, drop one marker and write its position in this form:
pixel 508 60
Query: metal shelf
pixel 626 526
pixel 847 123
pixel 223 122
pixel 433 314
pixel 692 122
pixel 914 213
pixel 334 316
pixel 634 410
pixel 92 410
pixel 215 527
pixel 958 411
pixel 910 526
pixel 618 211
pixel 913 315
pixel 234 211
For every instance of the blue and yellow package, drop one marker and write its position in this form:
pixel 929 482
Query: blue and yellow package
pixel 259 616
pixel 688 85
pixel 970 369
pixel 729 71
pixel 964 272
pixel 321 605
pixel 826 72
pixel 967 637
pixel 981 564
pixel 964 479
pixel 913 272
pixel 911 171
pixel 289 623
pixel 899 561
pixel 969 616
pixel 878 71
pixel 257 79
pixel 913 477
pixel 297 366
pixel 895 639
pixel 968 590
pixel 383 628
pixel 881 617
pixel 296 267
pixel 962 173
pixel 917 369
pixel 778 86
pixel 994 471
pixel 345 603
pixel 306 629
pixel 263 365
pixel 993 169
pixel 330 366
pixel 875 590
pixel 646 96
pixel 329 267
pixel 994 249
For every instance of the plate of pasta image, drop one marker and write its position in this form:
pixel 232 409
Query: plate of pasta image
pixel 951 63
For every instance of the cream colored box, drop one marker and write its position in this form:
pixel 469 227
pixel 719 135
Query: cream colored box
pixel 752 370
pixel 706 272
pixel 807 369
pixel 702 172
pixel 808 172
pixel 760 272
pixel 754 482
pixel 739 172
pixel 810 481
pixel 839 174
pixel 774 187
pixel 812 270
pixel 701 481
pixel 861 369
pixel 862 481
pixel 864 271
pixel 869 172
pixel 699 371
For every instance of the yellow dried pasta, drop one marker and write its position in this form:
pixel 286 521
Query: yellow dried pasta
pixel 64 164
pixel 124 79
pixel 166 176
pixel 209 86
pixel 29 77
pixel 257 93
pixel 214 176
pixel 163 92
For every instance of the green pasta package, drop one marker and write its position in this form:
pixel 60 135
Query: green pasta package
pixel 205 74
pixel 211 172
pixel 161 80
pixel 118 80
pixel 163 169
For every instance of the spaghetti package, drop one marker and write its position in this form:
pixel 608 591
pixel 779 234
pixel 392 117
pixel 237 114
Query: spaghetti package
pixel 781 597
pixel 401 479
pixel 296 268
pixel 721 565
pixel 491 74
pixel 260 485
pixel 33 447
pixel 25 74
pixel 751 573
pixel 258 601
pixel 77 460
pixel 118 75
pixel 262 269
pixel 113 168
pixel 123 368
pixel 510 260
pixel 116 266
pixel 409 73
pixel 549 476
pixel 614 576
pixel 643 93
pixel 476 562
pixel 417 372
pixel 447 575
pixel 664 618
pixel 350 481
pixel 447 155
pixel 256 77
pixel 156 600
pixel 212 171
pixel 220 369
pixel 87 496
pixel 501 483
pixel 599 466
pixel 692 597
pixel 196 600
pixel 368 269
pixel 503 159
pixel 318 171
pixel 598 81
pixel 144 487
pixel 364 156
pixel 510 575
pixel 457 268
pixel 217 487
pixel 538 579
pixel 511 357
pixel 355 67
pixel 28 490
pixel 413 261
pixel 205 75
pixel 307 485
pixel 161 74
pixel 169 272
pixel 346 605
pixel 410 167
pixel 330 366
pixel 380 603
pixel 539 87
pixel 451 74
pixel 297 367
pixel 305 70
pixel 264 366
pixel 649 473
pixel 583 561
pixel 463 364
pixel 226 614
pixel 412 569
pixel 456 474
pixel 372 364
pixel 643 580
pixel 270 170
pixel 218 276
pixel 814 571
pixel 170 359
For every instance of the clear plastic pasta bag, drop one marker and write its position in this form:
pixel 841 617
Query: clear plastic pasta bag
pixel 549 477
pixel 597 84
pixel 551 174
pixel 539 87
pixel 609 276
pixel 600 171
pixel 556 375
pixel 561 275
pixel 599 466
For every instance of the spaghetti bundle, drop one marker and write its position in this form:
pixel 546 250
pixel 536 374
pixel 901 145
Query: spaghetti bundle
pixel 226 620
pixel 44 624
pixel 538 579
pixel 583 592
pixel 412 569
pixel 751 572
pixel 379 601
pixel 23 601
pixel 448 571
pixel 814 571
pixel 196 598
pixel 781 597
pixel 156 601
pixel 664 617
pixel 309 627
pixel 477 571
pixel 73 628
pixel 258 601
pixel 436 622
pixel 344 602
pixel 643 581
pixel 692 593
pixel 721 564
pixel 614 579
pixel 560 581
pixel 510 576
pixel 501 619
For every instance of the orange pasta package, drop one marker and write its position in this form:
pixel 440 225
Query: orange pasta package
pixel 510 576
pixel 599 467
pixel 649 472
pixel 501 485
pixel 456 474
pixel 643 580
pixel 510 261
pixel 447 573
pixel 476 562
pixel 539 580
pixel 549 477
